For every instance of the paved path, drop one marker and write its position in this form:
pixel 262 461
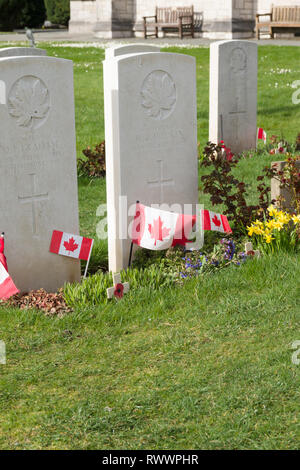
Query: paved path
pixel 64 36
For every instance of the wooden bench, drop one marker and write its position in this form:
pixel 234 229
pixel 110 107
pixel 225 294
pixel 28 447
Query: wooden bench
pixel 281 19
pixel 180 18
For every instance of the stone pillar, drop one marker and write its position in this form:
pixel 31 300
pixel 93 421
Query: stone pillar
pixel 83 16
pixel 243 18
pixel 115 18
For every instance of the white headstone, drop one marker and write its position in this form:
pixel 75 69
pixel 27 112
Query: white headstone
pixel 21 51
pixel 38 177
pixel 151 138
pixel 233 94
pixel 123 49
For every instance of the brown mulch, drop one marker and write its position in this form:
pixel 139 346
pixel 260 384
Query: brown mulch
pixel 50 304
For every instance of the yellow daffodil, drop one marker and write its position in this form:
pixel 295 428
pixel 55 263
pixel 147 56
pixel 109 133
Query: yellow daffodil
pixel 268 238
pixel 250 230
pixel 284 218
pixel 272 211
pixel 296 219
pixel 278 225
pixel 270 224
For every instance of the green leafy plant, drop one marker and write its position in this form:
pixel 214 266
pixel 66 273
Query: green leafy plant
pixel 93 165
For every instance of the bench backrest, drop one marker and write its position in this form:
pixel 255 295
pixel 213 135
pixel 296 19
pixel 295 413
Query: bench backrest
pixel 171 15
pixel 286 14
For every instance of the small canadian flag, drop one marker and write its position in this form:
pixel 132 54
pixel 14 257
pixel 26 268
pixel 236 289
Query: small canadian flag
pixel 67 244
pixel 156 229
pixel 7 286
pixel 261 135
pixel 215 222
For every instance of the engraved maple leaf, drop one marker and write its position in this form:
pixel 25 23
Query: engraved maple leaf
pixel 158 94
pixel 30 101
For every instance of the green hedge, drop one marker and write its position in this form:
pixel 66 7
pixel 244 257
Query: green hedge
pixel 58 11
pixel 21 13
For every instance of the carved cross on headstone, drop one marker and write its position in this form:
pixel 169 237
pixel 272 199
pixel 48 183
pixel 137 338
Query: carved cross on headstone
pixel 119 288
pixel 33 199
pixel 161 182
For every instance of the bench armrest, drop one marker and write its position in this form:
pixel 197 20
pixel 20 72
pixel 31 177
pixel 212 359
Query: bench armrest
pixel 263 14
pixel 191 17
pixel 147 17
pixel 258 15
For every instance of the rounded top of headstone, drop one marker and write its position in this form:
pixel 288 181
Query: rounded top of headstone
pixel 123 49
pixel 234 43
pixel 153 56
pixel 22 51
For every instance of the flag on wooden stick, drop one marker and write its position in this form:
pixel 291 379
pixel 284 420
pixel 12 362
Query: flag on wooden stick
pixel 75 246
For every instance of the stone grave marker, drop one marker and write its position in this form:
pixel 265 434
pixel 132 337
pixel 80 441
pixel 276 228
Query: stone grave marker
pixel 283 196
pixel 38 177
pixel 21 51
pixel 151 139
pixel 123 49
pixel 233 94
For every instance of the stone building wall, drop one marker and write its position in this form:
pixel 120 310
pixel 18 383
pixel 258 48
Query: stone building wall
pixel 216 19
pixel 265 6
pixel 212 17
pixel 83 16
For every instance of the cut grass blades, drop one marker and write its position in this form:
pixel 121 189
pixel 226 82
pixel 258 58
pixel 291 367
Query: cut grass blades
pixel 92 291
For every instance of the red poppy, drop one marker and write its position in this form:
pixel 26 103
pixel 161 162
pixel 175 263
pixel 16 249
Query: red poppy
pixel 119 289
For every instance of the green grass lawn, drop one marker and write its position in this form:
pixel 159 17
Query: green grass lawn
pixel 206 365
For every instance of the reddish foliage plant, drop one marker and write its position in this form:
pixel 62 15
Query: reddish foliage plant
pixel 224 188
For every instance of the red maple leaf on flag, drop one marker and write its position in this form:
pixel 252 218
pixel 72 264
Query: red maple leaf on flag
pixel 71 245
pixel 216 221
pixel 157 231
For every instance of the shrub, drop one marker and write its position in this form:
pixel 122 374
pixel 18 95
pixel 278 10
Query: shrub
pixel 58 11
pixel 225 189
pixel 94 164
pixel 50 8
pixel 21 13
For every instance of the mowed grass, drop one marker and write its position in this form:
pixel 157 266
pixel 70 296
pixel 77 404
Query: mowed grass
pixel 206 365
